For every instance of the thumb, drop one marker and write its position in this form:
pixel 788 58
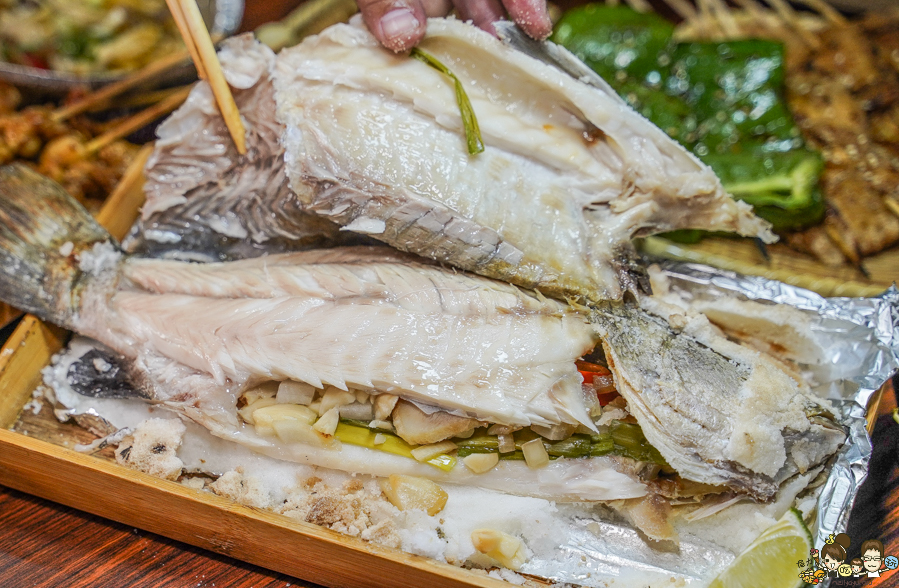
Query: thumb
pixel 397 24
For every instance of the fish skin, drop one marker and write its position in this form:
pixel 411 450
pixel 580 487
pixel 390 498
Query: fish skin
pixel 374 140
pixel 42 272
pixel 205 201
pixel 719 413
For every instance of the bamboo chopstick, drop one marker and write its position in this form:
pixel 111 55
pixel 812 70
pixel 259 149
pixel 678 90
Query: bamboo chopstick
pixel 181 22
pixel 197 35
pixel 129 125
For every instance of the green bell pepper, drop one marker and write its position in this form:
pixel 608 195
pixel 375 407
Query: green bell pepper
pixel 722 101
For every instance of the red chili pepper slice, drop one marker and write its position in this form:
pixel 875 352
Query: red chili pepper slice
pixel 590 370
pixel 601 379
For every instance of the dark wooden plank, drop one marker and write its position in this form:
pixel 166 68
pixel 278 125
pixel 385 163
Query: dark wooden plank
pixel 46 545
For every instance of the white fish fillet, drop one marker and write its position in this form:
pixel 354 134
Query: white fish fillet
pixel 371 319
pixel 350 319
pixel 569 175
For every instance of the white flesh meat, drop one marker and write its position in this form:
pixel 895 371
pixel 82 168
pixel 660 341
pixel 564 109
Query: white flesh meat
pixel 569 174
pixel 346 319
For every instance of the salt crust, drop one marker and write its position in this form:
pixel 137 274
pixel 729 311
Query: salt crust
pixel 152 447
pixel 101 257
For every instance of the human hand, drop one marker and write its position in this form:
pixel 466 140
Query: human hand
pixel 400 24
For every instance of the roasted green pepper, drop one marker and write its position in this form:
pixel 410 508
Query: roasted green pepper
pixel 619 439
pixel 722 101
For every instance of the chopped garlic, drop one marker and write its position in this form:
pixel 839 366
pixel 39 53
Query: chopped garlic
pixel 335 397
pixel 384 404
pixel 426 452
pixel 246 413
pixel 378 424
pixel 282 412
pixel 554 432
pixel 506 443
pixel 379 439
pixel 535 453
pixel 290 431
pixel 265 416
pixel 504 548
pixel 327 424
pixel 412 492
pixel 481 462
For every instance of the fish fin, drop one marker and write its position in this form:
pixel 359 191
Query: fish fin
pixel 42 230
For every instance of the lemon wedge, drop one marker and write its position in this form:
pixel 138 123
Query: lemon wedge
pixel 771 560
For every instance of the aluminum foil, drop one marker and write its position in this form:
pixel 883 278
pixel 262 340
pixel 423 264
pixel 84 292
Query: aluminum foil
pixel 865 334
pixel 863 354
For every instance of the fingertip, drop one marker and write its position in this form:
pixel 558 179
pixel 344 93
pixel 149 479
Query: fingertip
pixel 400 29
pixel 532 16
pixel 540 29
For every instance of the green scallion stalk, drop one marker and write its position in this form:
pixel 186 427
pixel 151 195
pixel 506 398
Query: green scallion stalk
pixel 469 120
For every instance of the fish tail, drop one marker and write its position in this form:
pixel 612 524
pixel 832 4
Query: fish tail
pixel 42 232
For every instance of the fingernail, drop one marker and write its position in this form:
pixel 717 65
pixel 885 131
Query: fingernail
pixel 398 23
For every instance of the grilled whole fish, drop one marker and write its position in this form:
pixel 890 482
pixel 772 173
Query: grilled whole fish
pixel 195 336
pixel 199 337
pixel 375 142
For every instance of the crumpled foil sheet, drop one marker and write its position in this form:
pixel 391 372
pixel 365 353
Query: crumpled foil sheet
pixel 863 353
pixel 866 343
